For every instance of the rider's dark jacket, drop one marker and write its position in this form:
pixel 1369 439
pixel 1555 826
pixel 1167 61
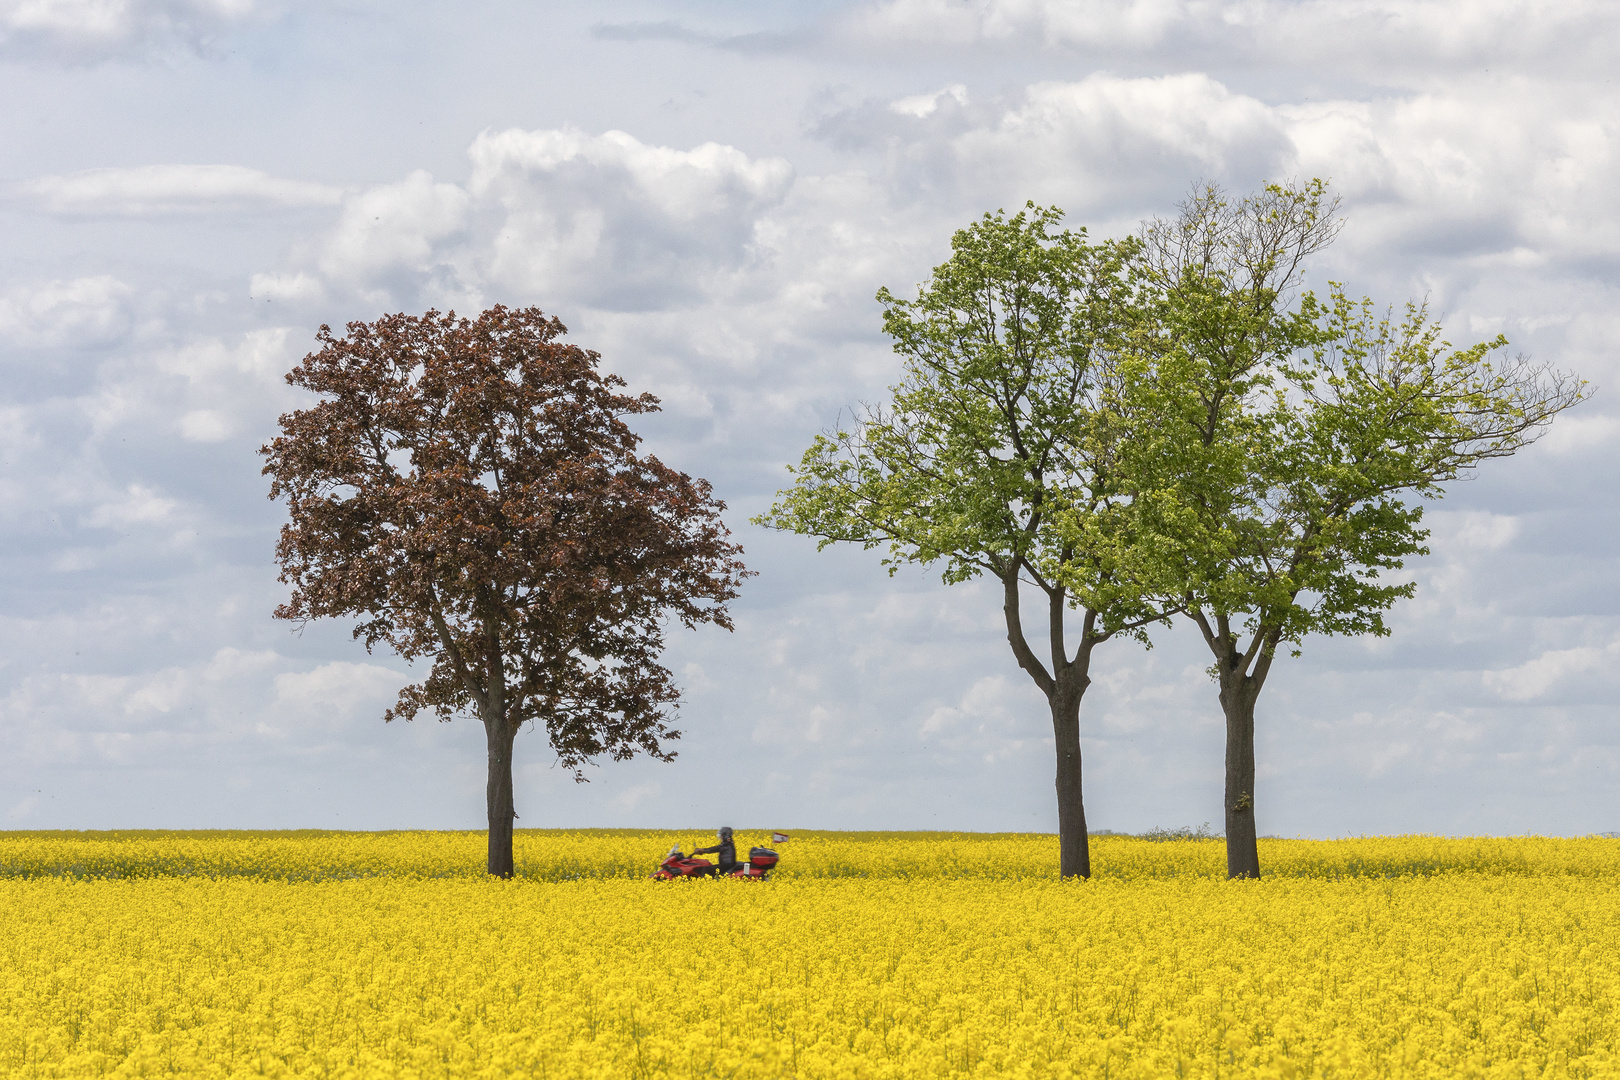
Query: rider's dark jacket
pixel 727 850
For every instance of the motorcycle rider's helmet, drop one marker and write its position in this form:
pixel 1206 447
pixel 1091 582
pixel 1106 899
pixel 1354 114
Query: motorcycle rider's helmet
pixel 725 833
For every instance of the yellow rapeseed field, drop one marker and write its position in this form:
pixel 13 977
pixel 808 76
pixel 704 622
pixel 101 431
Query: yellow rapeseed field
pixel 869 955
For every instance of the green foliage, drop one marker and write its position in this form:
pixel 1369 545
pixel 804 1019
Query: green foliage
pixel 1281 441
pixel 1164 425
pixel 1007 419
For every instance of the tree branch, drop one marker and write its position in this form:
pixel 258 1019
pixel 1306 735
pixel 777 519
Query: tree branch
pixel 1197 615
pixel 453 654
pixel 1015 635
pixel 1054 616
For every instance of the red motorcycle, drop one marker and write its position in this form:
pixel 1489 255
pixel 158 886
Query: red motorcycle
pixel 760 862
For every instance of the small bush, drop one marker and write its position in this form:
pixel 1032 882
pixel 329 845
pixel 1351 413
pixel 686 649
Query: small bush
pixel 1186 832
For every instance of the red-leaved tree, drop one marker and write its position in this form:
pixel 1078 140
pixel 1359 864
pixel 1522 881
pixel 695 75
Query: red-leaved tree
pixel 468 490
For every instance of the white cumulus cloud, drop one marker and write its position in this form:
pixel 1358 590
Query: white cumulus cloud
pixel 1513 171
pixel 1397 36
pixel 621 222
pixel 555 217
pixel 1073 22
pixel 171 189
pixel 85 31
pixel 81 312
pixel 391 232
pixel 921 105
pixel 1085 144
pixel 1551 672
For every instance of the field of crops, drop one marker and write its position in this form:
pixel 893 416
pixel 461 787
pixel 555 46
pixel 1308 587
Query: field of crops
pixel 869 955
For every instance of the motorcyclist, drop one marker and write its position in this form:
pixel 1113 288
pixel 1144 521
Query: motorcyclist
pixel 725 849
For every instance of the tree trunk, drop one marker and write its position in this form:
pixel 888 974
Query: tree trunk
pixel 1238 694
pixel 498 795
pixel 1063 687
pixel 1240 688
pixel 1074 843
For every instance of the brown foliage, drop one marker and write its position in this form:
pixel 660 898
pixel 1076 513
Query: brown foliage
pixel 468 490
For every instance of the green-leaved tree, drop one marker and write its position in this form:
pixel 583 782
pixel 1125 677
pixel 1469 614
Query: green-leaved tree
pixel 1005 421
pixel 1280 442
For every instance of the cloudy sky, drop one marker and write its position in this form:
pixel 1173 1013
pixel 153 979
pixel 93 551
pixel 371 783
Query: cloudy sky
pixel 709 194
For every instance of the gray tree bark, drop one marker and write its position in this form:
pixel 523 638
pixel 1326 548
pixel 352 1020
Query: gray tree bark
pixel 498 795
pixel 1063 686
pixel 1241 673
pixel 1242 846
pixel 1074 841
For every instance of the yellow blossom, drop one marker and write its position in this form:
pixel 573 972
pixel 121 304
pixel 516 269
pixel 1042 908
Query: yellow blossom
pixel 868 956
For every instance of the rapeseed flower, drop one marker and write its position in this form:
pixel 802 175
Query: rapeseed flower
pixel 871 955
